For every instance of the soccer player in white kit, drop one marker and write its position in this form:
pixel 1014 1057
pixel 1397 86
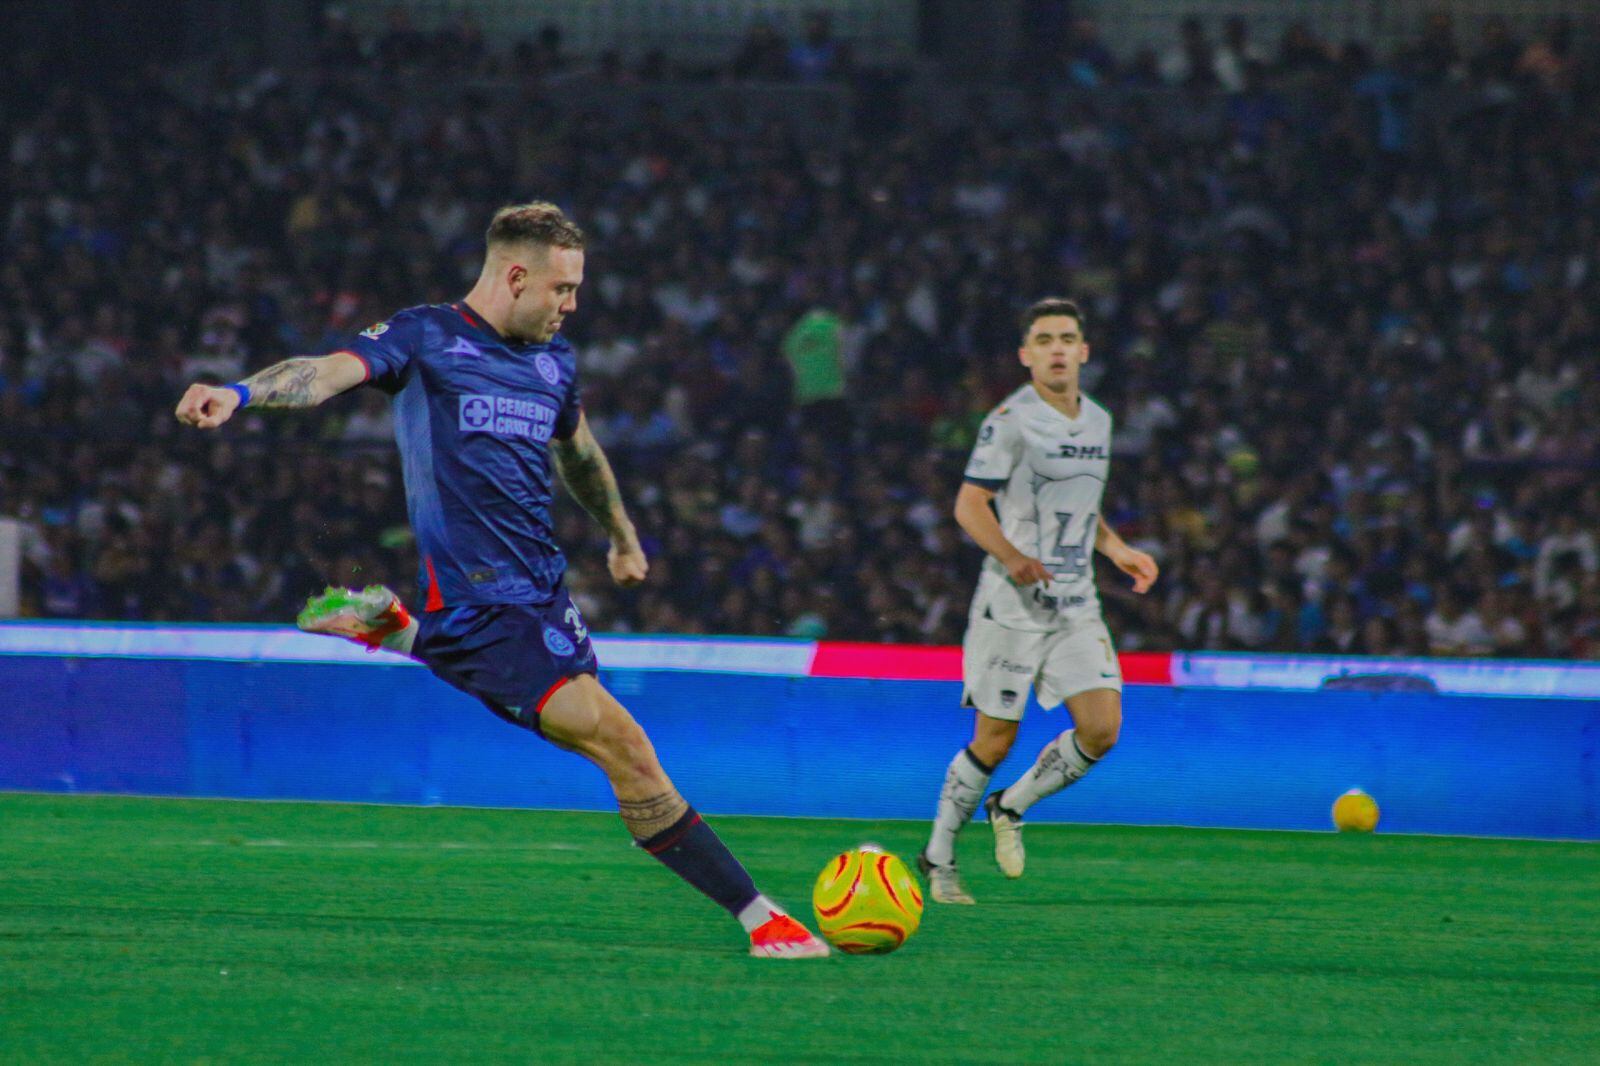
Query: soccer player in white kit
pixel 1031 499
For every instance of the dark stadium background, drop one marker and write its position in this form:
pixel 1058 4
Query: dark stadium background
pixel 1340 277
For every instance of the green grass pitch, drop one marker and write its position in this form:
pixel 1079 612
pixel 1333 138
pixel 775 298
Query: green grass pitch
pixel 136 930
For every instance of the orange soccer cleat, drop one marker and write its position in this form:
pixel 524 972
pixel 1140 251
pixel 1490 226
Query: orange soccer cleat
pixel 784 938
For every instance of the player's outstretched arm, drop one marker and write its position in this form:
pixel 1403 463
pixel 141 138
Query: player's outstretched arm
pixel 974 515
pixel 304 381
pixel 1131 561
pixel 588 477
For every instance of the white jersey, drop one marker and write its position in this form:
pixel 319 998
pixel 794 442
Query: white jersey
pixel 1049 473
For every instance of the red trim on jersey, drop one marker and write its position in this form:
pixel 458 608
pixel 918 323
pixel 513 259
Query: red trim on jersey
pixel 435 600
pixel 475 320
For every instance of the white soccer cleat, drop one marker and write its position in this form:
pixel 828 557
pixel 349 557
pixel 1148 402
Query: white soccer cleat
pixel 944 883
pixel 1009 854
pixel 784 938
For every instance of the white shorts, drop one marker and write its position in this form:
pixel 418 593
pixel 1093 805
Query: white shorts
pixel 999 664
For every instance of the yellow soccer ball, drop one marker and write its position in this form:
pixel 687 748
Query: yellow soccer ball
pixel 866 901
pixel 1355 812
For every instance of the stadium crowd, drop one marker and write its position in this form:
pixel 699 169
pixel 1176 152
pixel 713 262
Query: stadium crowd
pixel 1343 308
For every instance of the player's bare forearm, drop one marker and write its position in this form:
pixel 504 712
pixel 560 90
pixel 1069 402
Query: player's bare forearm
pixel 979 523
pixel 1106 539
pixel 304 381
pixel 974 515
pixel 588 476
pixel 1136 564
pixel 300 382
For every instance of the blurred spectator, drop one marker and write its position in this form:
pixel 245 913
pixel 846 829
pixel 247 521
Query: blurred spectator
pixel 1090 64
pixel 1302 53
pixel 1454 631
pixel 1434 57
pixel 762 55
pixel 1549 61
pixel 1190 62
pixel 814 348
pixel 1236 56
pixel 1495 61
pixel 818 55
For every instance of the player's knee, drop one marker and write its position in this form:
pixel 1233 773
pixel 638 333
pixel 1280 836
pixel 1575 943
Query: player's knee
pixel 626 747
pixel 1098 738
pixel 992 751
pixel 627 740
pixel 573 725
pixel 991 745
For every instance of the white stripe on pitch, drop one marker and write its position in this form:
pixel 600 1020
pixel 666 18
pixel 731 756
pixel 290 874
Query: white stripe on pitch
pixel 786 658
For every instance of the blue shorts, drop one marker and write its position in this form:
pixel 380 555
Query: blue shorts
pixel 512 656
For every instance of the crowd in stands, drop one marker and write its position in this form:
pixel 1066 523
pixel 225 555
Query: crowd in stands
pixel 1348 331
pixel 459 47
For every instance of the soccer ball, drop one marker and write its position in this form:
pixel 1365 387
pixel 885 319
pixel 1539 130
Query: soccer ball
pixel 866 901
pixel 1355 812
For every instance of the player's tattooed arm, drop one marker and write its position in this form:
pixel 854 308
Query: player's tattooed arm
pixel 300 382
pixel 304 381
pixel 589 479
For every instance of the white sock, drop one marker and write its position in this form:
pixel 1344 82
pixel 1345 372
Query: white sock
pixel 964 784
pixel 758 912
pixel 1060 764
pixel 402 640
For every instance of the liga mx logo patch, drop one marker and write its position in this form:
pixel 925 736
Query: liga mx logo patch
pixel 558 643
pixel 548 368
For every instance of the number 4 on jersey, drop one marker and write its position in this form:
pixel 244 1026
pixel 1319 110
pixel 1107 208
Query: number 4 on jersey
pixel 1072 559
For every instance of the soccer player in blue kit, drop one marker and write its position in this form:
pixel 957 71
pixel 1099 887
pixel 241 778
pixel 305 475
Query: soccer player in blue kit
pixel 485 397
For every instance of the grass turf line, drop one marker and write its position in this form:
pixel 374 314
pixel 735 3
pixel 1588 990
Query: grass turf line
pixel 169 930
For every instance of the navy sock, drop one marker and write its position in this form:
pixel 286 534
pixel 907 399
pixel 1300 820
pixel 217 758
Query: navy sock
pixel 691 850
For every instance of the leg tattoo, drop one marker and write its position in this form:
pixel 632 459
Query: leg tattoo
pixel 647 817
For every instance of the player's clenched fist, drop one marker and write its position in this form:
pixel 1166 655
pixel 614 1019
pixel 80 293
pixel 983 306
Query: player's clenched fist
pixel 207 407
pixel 628 565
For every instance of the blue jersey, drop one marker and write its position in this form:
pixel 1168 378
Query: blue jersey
pixel 474 414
